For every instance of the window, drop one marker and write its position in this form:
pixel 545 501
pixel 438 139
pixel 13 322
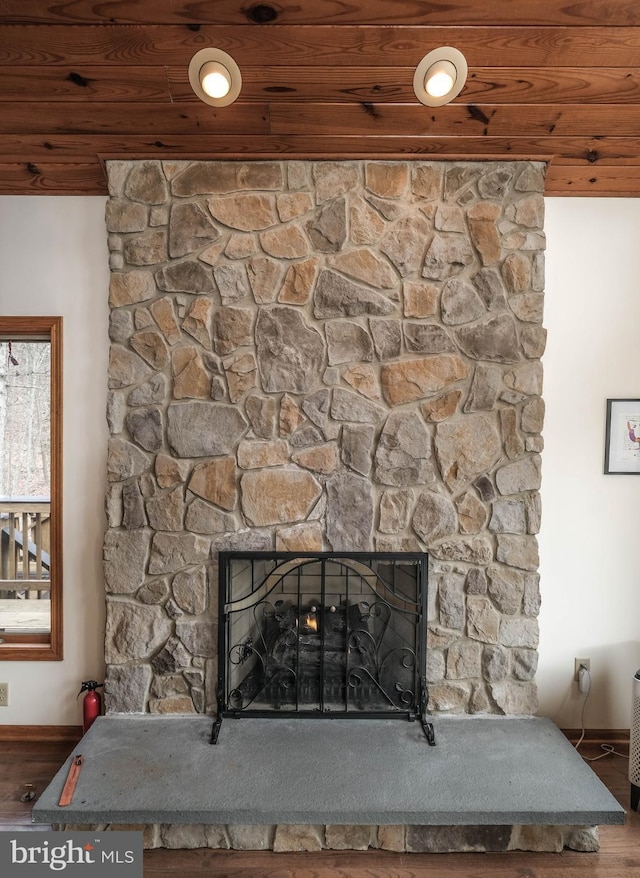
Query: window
pixel 30 488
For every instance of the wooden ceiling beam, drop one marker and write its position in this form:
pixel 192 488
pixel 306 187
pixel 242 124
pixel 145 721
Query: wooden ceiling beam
pixel 166 84
pixel 322 12
pixel 348 46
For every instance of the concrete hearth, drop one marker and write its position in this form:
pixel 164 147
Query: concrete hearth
pixel 485 772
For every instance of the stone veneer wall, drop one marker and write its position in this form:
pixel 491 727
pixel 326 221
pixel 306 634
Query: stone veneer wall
pixel 324 355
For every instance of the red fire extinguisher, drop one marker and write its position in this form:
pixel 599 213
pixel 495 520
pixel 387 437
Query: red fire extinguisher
pixel 91 703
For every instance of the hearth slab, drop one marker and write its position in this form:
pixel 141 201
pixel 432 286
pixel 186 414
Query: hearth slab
pixel 483 771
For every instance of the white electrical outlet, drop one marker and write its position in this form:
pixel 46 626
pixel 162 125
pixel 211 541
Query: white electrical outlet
pixel 4 695
pixel 580 663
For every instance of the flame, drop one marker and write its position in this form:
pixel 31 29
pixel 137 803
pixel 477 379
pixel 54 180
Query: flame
pixel 311 622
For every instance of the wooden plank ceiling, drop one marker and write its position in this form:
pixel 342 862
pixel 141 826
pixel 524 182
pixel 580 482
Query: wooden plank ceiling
pixel 82 81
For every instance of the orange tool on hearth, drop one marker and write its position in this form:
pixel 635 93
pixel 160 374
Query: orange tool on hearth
pixel 69 787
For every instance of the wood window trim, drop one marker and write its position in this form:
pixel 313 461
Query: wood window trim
pixel 37 647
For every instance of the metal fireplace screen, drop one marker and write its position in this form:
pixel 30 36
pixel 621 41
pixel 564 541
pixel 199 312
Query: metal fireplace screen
pixel 322 634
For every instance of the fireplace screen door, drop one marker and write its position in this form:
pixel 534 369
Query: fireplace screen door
pixel 322 634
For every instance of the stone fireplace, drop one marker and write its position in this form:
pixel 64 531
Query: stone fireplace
pixel 324 356
pixel 327 360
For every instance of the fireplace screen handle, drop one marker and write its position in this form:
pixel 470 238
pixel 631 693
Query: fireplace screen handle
pixel 427 727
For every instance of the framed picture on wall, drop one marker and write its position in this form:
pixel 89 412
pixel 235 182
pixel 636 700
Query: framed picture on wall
pixel 622 437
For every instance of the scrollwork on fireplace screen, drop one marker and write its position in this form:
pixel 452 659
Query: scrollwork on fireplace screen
pixel 322 634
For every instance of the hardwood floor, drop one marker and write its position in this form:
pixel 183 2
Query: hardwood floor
pixel 619 856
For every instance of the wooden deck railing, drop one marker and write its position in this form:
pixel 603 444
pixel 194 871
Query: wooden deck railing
pixel 24 544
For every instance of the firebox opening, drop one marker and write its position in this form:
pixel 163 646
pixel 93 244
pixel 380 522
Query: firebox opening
pixel 339 635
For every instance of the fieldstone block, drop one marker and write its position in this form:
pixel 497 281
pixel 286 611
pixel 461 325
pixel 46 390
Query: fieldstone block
pixel 321 459
pixel 395 508
pixel 506 588
pixel 494 338
pixel 508 516
pixel 198 321
pixel 463 660
pixel 265 278
pixel 145 427
pixel 134 631
pixel 364 379
pixel 581 838
pixel 125 367
pixel 327 231
pixel 460 303
pixel 133 513
pixel 483 620
pixel 277 495
pixel 517 551
pixel 531 601
pixel 445 406
pixel 190 228
pixel 426 338
pixel 337 296
pixel 485 387
pixel 289 352
pixel 156 591
pixel 408 380
pixel 387 338
pixel 172 551
pixel 451 601
pixel 523 632
pixel 152 347
pixel 154 390
pixel 247 212
pixel 177 836
pixel 404 244
pixel 434 517
pixel 357 446
pixel 515 698
pixel 465 449
pixel 472 515
pixel 126 687
pixel 251 838
pixel 199 429
pixel 350 514
pixel 149 248
pixel 476 581
pixel 403 455
pixel 447 255
pixel 490 288
pixel 465 839
pixel 349 837
pixel 216 481
pixel 348 406
pixel 204 519
pixel 519 476
pixel 200 636
pixel 125 460
pixel 303 837
pixel 347 342
pixel 305 537
pixel 172 657
pixel 201 178
pixel 450 697
pixel 524 664
pixel 190 590
pixel 146 183
pixel 495 663
pixel 366 266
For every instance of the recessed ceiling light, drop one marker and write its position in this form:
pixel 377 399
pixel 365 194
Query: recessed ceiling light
pixel 215 77
pixel 440 76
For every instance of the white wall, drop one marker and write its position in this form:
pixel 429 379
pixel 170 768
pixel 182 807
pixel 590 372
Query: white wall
pixel 54 261
pixel 590 539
